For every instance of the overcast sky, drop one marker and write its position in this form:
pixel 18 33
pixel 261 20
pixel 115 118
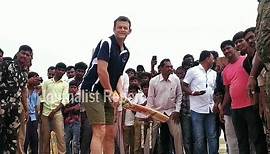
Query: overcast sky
pixel 66 31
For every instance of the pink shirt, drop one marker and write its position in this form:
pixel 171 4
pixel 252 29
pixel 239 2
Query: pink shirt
pixel 236 77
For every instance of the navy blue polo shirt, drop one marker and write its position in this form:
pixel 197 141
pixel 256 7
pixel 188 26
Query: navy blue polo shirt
pixel 109 51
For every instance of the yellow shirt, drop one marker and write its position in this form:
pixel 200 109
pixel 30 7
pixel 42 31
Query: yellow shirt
pixel 54 93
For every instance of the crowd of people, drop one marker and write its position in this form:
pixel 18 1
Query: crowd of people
pixel 76 104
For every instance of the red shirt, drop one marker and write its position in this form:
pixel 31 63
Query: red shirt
pixel 235 76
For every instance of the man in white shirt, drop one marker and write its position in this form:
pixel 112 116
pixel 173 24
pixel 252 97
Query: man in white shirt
pixel 165 95
pixel 199 83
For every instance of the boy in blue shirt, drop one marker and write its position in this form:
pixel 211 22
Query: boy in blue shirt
pixel 31 137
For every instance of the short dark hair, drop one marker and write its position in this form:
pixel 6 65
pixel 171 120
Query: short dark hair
pixel 225 43
pixel 185 63
pixel 196 63
pixel 250 29
pixel 51 68
pixel 187 56
pixel 237 36
pixel 25 48
pixel 7 59
pixel 70 67
pixel 140 67
pixel 122 18
pixel 130 70
pixel 145 84
pixel 61 65
pixel 215 54
pixel 133 86
pixel 144 74
pixel 1 51
pixel 80 65
pixel 204 54
pixel 162 63
pixel 180 67
pixel 73 83
pixel 32 74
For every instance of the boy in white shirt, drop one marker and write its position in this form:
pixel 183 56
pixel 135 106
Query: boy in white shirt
pixel 129 121
pixel 140 119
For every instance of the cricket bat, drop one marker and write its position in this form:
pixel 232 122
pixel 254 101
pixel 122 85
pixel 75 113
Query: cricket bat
pixel 156 115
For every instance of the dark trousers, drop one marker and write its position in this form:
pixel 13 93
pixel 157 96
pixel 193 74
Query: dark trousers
pixel 166 145
pixel 247 124
pixel 186 124
pixel 31 137
pixel 221 127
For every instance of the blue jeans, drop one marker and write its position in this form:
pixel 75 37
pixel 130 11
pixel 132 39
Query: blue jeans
pixel 204 129
pixel 72 134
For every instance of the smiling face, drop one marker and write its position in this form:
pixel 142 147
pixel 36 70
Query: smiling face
pixel 121 29
pixel 229 52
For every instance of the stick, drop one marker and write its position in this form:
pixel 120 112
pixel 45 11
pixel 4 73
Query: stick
pixel 142 134
pixel 150 136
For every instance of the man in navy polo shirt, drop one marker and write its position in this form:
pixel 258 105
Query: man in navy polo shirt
pixel 102 78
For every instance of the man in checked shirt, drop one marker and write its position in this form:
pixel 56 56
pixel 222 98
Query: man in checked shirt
pixel 165 95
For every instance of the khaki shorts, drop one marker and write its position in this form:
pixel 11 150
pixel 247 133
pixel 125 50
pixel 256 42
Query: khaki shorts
pixel 99 110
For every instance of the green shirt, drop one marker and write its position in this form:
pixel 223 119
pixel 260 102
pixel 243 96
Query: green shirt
pixel 54 93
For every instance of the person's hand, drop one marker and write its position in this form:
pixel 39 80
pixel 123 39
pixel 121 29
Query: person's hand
pixel 51 115
pixel 221 113
pixel 251 86
pixel 25 114
pixel 198 93
pixel 153 62
pixel 215 108
pixel 218 98
pixel 175 116
pixel 39 118
pixel 115 99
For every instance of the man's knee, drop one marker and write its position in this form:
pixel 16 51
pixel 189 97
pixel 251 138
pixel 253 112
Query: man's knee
pixel 99 130
pixel 110 132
